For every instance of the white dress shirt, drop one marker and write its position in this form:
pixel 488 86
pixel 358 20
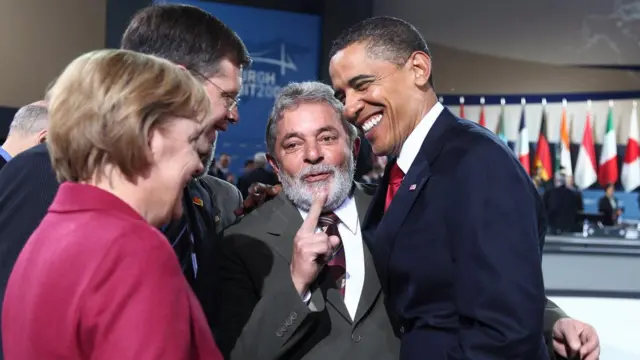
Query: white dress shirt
pixel 349 228
pixel 412 145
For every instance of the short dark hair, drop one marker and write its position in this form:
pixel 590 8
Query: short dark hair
pixel 185 35
pixel 387 38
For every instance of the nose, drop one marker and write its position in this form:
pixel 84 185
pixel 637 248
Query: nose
pixel 233 116
pixel 352 107
pixel 313 154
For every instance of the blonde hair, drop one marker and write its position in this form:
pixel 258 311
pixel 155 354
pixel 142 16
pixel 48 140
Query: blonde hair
pixel 104 105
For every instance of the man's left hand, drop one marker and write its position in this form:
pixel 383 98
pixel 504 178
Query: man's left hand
pixel 573 337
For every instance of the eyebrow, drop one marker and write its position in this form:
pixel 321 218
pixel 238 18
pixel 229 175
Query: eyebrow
pixel 353 82
pixel 290 135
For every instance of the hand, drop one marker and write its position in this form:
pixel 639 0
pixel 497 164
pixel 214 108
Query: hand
pixel 311 248
pixel 572 337
pixel 258 195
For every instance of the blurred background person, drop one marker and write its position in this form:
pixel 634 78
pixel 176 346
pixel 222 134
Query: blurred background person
pixel 221 168
pixel 259 174
pixel 249 165
pixel 563 203
pixel 609 206
pixel 28 129
pixel 123 135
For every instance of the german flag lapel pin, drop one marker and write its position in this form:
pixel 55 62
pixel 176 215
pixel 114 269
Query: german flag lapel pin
pixel 198 201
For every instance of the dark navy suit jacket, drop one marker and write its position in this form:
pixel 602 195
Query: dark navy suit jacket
pixel 458 251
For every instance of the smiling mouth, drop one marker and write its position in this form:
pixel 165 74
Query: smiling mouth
pixel 222 126
pixel 317 177
pixel 371 122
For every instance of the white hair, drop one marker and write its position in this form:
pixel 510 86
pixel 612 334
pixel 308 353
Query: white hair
pixel 30 119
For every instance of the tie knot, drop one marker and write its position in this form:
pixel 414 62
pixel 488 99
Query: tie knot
pixel 328 219
pixel 396 175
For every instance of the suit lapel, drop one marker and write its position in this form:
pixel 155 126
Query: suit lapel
pixel 371 287
pixel 414 181
pixel 284 223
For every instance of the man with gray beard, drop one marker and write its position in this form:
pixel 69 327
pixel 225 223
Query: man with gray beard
pixel 294 279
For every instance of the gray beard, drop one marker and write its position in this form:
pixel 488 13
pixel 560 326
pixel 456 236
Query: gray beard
pixel 339 184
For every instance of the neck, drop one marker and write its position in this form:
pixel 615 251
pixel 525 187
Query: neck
pixel 15 145
pixel 132 194
pixel 428 101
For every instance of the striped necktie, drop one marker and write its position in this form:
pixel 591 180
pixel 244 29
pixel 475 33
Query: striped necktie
pixel 337 265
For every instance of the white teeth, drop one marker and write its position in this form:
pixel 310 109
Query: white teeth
pixel 371 122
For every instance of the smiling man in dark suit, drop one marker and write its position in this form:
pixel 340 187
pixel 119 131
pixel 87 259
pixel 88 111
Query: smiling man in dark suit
pixel 456 223
pixel 295 278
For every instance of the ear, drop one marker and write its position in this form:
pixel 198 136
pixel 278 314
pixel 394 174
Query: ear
pixel 41 136
pixel 274 164
pixel 421 65
pixel 356 147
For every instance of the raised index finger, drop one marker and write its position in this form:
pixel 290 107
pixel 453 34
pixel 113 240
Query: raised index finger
pixel 311 222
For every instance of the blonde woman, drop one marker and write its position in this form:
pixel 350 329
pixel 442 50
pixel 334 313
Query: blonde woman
pixel 96 280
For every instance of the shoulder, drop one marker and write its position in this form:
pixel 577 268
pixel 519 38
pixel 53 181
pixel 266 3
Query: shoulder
pixel 218 184
pixel 131 238
pixel 256 223
pixel 470 145
pixel 368 189
pixel 32 160
pixel 219 187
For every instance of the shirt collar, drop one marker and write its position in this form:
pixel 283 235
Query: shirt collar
pixel 5 155
pixel 412 145
pixel 347 212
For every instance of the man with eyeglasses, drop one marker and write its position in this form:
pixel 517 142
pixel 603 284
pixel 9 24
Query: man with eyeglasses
pixel 203 45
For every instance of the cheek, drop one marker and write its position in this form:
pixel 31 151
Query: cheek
pixel 219 111
pixel 291 164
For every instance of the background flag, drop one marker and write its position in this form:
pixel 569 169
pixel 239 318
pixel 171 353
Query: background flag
pixel 482 120
pixel 586 174
pixel 500 128
pixel 462 107
pixel 565 143
pixel 542 162
pixel 522 144
pixel 630 176
pixel 608 169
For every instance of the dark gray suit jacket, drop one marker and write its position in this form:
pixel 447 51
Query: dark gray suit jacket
pixel 260 315
pixel 226 198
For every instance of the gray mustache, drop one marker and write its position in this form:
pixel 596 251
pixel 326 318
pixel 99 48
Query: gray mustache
pixel 315 169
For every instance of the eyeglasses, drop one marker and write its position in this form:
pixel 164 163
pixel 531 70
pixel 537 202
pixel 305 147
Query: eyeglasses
pixel 231 101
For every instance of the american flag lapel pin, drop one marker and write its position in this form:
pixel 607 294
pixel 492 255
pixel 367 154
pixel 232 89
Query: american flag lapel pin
pixel 412 187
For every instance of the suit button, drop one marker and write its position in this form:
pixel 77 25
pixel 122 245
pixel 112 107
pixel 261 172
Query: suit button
pixel 356 337
pixel 293 315
pixel 401 329
pixel 279 333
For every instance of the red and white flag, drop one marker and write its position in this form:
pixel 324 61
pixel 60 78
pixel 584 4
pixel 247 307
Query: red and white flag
pixel 630 176
pixel 462 107
pixel 585 174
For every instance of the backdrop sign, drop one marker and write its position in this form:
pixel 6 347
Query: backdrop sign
pixel 285 47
